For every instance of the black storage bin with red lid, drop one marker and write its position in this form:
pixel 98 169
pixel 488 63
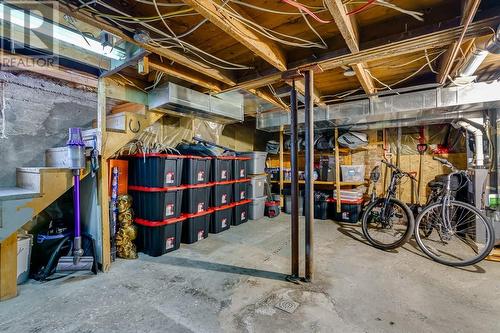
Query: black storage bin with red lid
pixel 196 198
pixel 222 168
pixel 350 211
pixel 196 170
pixel 196 226
pixel 240 167
pixel 240 189
pixel 156 203
pixel 155 170
pixel 222 193
pixel 221 218
pixel 158 238
pixel 240 212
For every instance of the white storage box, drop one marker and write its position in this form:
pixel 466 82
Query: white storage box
pixel 257 162
pixel 256 187
pixel 353 173
pixel 256 208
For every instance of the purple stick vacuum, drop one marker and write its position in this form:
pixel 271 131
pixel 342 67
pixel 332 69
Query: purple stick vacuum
pixel 76 156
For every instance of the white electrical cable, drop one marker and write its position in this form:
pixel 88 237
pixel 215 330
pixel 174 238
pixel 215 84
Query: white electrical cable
pixel 416 15
pixel 180 4
pixel 312 29
pixel 166 25
pixel 272 10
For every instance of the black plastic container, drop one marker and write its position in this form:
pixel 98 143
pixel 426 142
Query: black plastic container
pixel 321 209
pixel 196 170
pixel 196 226
pixel 240 167
pixel 196 198
pixel 240 189
pixel 155 170
pixel 157 203
pixel 350 210
pixel 222 168
pixel 222 193
pixel 158 238
pixel 240 212
pixel 222 218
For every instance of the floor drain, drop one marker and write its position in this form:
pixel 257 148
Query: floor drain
pixel 287 306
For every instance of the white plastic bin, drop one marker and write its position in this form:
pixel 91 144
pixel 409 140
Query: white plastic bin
pixel 24 242
pixel 256 187
pixel 256 208
pixel 353 173
pixel 257 162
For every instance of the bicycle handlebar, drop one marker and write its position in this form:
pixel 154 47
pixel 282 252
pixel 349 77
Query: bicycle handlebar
pixel 398 170
pixel 445 162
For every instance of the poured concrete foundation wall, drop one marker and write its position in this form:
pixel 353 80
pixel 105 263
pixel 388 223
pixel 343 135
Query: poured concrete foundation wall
pixel 38 111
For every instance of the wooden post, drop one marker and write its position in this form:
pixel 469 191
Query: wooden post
pixel 8 267
pixel 103 196
pixel 281 167
pixel 337 170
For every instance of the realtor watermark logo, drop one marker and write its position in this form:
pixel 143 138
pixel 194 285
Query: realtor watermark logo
pixel 28 34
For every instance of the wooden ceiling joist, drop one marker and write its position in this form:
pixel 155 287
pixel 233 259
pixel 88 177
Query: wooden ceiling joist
pixel 218 74
pixel 184 74
pixel 384 49
pixel 349 31
pixel 450 56
pixel 264 48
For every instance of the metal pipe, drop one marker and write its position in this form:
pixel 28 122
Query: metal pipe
pixel 309 169
pixel 476 57
pixel 294 182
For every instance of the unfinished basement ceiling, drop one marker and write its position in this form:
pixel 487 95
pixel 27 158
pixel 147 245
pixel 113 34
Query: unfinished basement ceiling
pixel 231 47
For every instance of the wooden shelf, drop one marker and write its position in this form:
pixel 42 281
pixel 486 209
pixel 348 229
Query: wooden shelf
pixel 318 182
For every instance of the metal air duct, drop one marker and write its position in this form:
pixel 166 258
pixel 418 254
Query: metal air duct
pixel 182 101
pixel 476 57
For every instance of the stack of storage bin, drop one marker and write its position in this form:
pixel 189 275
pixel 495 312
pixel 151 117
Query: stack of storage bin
pixel 196 204
pixel 240 190
pixel 258 178
pixel 155 186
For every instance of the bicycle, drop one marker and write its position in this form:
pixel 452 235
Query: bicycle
pixel 449 231
pixel 387 222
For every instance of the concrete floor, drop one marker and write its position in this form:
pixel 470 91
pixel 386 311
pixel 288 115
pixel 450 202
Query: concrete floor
pixel 231 281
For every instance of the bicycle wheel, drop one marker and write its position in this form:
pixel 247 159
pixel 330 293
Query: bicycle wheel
pixel 391 230
pixel 469 240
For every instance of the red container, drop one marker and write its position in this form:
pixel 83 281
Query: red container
pixel 196 226
pixel 196 170
pixel 221 218
pixel 272 209
pixel 240 189
pixel 158 238
pixel 350 210
pixel 240 212
pixel 240 167
pixel 156 203
pixel 222 193
pixel 196 198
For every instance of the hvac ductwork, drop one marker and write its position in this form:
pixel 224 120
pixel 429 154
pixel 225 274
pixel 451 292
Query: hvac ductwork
pixel 476 57
pixel 182 101
pixel 409 109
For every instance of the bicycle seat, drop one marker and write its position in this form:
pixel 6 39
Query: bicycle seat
pixel 435 184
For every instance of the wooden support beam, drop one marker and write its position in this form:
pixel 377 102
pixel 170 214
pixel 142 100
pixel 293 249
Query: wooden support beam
pixel 450 56
pixel 82 15
pixel 183 74
pixel 385 48
pixel 225 20
pixel 268 98
pixel 8 267
pixel 349 31
pixel 143 66
pixel 19 62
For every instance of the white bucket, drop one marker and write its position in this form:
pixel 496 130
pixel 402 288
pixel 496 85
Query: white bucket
pixel 24 242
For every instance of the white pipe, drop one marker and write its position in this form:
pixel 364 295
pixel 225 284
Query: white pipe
pixel 478 138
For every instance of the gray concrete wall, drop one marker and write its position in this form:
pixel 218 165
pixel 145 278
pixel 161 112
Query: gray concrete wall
pixel 38 111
